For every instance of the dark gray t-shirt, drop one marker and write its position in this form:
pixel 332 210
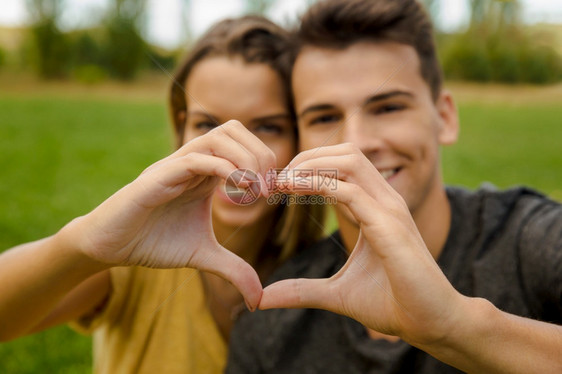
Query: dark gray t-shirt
pixel 503 246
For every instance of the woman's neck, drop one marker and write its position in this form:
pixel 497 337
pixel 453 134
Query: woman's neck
pixel 245 241
pixel 224 301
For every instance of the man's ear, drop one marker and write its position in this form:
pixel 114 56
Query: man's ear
pixel 449 118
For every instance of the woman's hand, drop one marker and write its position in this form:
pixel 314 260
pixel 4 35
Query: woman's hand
pixel 390 283
pixel 163 218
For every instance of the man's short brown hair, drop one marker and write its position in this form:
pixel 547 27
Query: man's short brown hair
pixel 340 23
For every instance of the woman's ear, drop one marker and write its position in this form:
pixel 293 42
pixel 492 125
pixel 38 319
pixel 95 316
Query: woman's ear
pixel 449 118
pixel 181 116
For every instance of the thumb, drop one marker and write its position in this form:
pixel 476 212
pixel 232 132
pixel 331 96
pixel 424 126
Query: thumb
pixel 229 266
pixel 297 293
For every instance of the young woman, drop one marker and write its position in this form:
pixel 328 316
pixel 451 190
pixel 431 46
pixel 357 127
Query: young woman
pixel 109 271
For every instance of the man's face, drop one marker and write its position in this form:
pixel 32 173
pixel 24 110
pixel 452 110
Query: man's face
pixel 372 95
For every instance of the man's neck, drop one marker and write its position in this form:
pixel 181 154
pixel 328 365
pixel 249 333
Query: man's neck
pixel 433 219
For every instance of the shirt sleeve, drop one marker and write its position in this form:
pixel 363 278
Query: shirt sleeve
pixel 541 261
pixel 89 322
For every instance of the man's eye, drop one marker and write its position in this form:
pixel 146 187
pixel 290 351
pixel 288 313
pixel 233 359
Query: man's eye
pixel 389 108
pixel 324 119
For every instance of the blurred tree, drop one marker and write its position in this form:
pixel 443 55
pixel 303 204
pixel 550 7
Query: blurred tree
pixel 185 22
pixel 40 10
pixel 433 7
pixel 129 9
pixel 125 49
pixel 498 47
pixel 258 6
pixel 494 13
pixel 51 48
pixel 477 12
pixel 87 59
pixel 2 57
pixel 509 13
pixel 86 50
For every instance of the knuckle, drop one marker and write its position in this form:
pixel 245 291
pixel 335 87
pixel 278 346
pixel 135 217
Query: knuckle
pixel 350 147
pixel 298 286
pixel 355 189
pixel 233 124
pixel 271 157
pixel 355 158
pixel 309 152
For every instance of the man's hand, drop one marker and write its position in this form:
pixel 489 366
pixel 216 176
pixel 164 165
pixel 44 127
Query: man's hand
pixel 390 282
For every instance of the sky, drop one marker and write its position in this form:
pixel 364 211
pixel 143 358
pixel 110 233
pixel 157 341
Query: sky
pixel 167 19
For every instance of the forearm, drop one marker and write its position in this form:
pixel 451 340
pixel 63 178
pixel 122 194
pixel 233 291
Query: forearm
pixel 492 341
pixel 34 277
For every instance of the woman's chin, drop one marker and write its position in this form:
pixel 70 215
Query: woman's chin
pixel 235 215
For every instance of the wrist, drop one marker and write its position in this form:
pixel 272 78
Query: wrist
pixel 474 320
pixel 69 243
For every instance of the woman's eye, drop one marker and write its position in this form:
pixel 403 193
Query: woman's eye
pixel 389 108
pixel 205 126
pixel 269 128
pixel 323 119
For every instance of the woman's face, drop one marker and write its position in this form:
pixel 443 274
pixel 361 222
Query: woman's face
pixel 220 89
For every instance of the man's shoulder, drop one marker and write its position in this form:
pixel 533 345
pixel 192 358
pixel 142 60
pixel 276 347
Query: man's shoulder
pixel 517 222
pixel 489 191
pixel 490 202
pixel 321 260
pixel 489 220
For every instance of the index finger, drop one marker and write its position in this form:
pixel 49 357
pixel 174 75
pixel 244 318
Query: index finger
pixel 239 134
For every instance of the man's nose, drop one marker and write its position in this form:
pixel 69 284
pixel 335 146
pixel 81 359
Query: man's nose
pixel 357 131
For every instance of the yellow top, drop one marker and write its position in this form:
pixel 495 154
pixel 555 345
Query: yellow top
pixel 156 321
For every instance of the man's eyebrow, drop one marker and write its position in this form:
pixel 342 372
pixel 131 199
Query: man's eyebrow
pixel 316 108
pixel 386 95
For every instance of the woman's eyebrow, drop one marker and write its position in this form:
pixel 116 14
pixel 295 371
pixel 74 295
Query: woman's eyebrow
pixel 202 113
pixel 271 117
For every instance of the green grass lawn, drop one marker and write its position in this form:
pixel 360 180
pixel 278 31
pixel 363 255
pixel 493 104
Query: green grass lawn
pixel 508 145
pixel 62 155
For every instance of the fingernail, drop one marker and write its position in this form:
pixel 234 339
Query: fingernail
pixel 263 186
pixel 249 307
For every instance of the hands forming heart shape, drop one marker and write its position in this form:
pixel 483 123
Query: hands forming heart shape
pixel 163 220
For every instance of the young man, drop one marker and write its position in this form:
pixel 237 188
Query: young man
pixel 441 280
